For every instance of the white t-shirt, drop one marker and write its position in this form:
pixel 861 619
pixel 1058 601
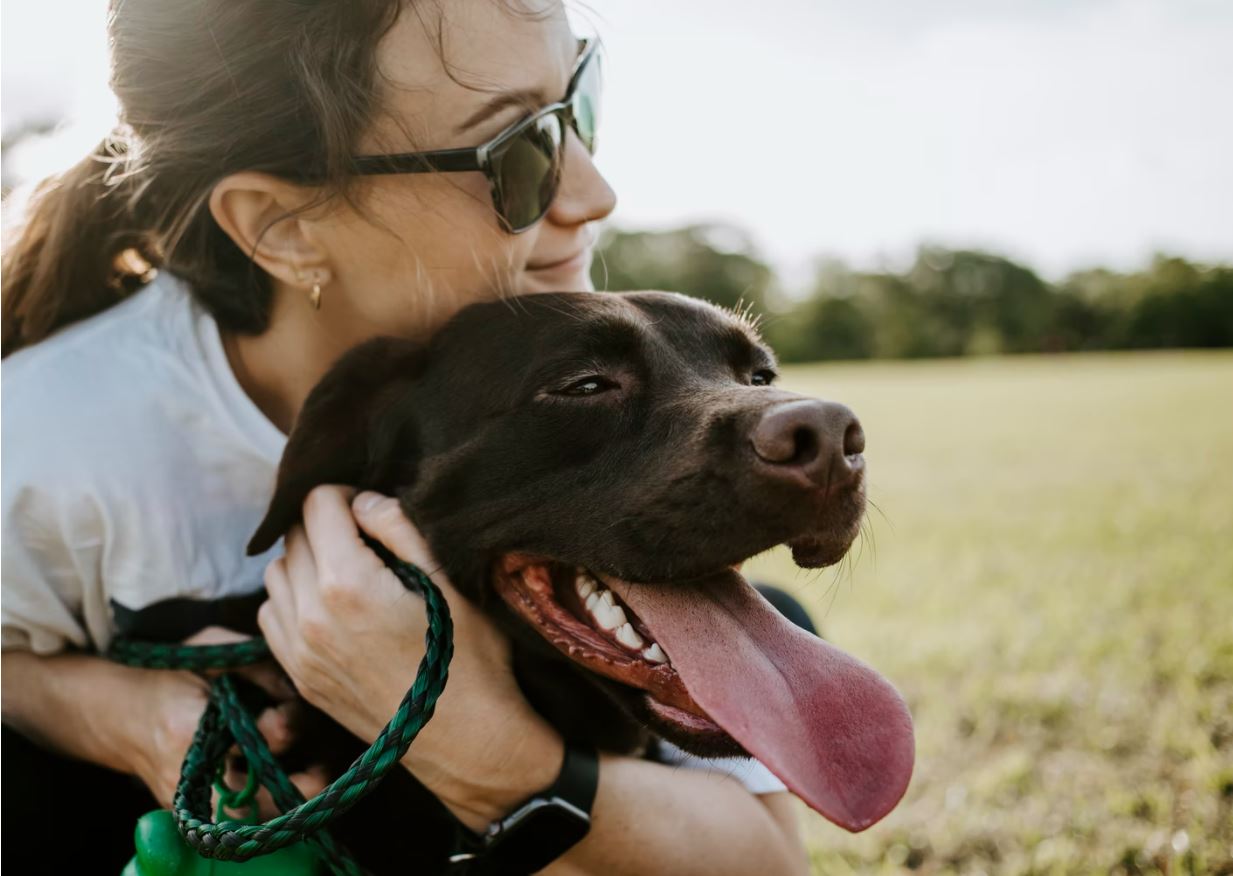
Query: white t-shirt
pixel 135 470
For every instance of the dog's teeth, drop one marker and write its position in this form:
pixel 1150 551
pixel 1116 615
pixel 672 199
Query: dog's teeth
pixel 655 654
pixel 606 597
pixel 610 617
pixel 591 600
pixel 584 584
pixel 628 637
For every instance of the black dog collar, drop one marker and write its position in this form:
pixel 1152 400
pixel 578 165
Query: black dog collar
pixel 540 829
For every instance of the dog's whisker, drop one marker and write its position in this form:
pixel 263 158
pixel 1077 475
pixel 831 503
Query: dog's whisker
pixel 876 507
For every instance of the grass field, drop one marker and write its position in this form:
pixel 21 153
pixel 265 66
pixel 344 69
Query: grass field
pixel 1049 582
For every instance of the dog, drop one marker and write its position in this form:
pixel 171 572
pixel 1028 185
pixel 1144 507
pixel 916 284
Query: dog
pixel 592 469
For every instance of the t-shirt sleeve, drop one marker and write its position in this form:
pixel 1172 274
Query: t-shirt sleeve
pixel 52 546
pixel 750 772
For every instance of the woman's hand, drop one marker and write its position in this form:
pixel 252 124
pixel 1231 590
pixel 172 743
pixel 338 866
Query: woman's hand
pixel 135 721
pixel 171 707
pixel 350 636
pixel 161 729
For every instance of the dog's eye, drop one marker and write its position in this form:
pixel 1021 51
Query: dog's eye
pixel 763 377
pixel 592 384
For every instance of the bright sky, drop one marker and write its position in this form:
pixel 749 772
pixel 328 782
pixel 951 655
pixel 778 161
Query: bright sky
pixel 1063 132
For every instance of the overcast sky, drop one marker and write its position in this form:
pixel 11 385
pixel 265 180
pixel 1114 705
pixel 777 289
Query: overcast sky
pixel 1063 132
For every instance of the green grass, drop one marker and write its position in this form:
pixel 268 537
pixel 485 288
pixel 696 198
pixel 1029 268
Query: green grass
pixel 1049 582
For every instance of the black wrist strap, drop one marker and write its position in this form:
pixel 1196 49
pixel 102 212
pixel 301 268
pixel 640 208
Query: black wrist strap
pixel 578 779
pixel 540 829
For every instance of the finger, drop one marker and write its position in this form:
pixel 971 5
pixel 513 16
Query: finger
pixel 278 584
pixel 277 614
pixel 274 626
pixel 299 569
pixel 312 781
pixel 274 724
pixel 332 532
pixel 235 772
pixel 271 678
pixel 266 807
pixel 309 783
pixel 215 636
pixel 382 518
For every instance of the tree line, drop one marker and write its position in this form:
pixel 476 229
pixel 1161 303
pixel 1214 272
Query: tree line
pixel 947 303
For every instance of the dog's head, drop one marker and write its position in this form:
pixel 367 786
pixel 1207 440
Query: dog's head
pixel 602 463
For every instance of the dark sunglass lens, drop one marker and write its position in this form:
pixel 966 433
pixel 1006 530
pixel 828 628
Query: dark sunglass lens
pixel 527 172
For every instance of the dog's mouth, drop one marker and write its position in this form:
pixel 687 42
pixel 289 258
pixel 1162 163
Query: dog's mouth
pixel 717 668
pixel 585 620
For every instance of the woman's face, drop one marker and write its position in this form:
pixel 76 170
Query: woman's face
pixel 420 246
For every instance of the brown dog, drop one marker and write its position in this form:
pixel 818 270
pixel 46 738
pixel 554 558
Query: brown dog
pixel 590 469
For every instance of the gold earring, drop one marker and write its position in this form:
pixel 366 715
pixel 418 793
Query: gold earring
pixel 314 297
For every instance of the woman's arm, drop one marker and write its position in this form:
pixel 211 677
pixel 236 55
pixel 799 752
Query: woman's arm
pixel 650 818
pixel 333 608
pixel 137 721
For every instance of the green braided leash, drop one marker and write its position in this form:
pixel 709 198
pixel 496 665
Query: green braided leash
pixel 226 722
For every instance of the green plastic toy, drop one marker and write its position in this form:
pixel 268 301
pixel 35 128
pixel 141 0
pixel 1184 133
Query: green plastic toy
pixel 161 851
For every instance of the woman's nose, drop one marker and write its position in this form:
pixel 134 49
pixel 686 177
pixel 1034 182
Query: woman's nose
pixel 584 195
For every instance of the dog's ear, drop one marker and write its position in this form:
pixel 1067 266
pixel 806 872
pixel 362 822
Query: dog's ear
pixel 355 429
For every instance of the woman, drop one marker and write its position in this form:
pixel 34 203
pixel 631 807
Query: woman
pixel 141 440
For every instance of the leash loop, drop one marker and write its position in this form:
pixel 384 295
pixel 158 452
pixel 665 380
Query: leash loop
pixel 226 722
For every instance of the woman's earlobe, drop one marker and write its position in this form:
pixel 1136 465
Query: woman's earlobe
pixel 263 216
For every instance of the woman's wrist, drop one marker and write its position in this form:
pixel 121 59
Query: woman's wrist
pixel 482 772
pixel 80 705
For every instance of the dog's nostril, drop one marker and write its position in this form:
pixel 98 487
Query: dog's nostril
pixel 805 442
pixel 853 439
pixel 794 434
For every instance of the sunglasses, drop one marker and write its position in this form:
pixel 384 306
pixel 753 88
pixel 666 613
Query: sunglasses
pixel 524 162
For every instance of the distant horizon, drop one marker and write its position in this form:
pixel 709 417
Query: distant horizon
pixel 802 271
pixel 1063 136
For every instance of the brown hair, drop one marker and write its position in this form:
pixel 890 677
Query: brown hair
pixel 206 88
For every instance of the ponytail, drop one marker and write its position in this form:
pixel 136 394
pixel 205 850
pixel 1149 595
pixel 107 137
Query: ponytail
pixel 80 248
pixel 280 88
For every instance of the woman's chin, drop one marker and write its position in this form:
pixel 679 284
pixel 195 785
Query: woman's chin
pixel 572 279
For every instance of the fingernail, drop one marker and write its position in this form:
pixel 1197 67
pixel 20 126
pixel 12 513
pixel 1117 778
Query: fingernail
pixel 367 501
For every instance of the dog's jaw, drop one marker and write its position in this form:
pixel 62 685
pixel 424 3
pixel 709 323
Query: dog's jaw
pixel 610 643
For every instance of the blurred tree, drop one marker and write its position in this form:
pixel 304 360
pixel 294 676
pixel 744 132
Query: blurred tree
pixel 716 262
pixel 988 303
pixel 1173 303
pixel 822 327
pixel 948 303
pixel 1177 304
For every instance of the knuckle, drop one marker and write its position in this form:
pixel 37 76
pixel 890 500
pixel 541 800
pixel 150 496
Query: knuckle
pixel 337 590
pixel 275 572
pixel 312 631
pixel 277 733
pixel 270 628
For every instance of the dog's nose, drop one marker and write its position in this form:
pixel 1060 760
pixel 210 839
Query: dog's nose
pixel 821 440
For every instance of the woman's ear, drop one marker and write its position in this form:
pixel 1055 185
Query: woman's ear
pixel 269 218
pixel 356 428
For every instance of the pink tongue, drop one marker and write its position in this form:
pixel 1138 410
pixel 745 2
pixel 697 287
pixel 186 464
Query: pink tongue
pixel 836 732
